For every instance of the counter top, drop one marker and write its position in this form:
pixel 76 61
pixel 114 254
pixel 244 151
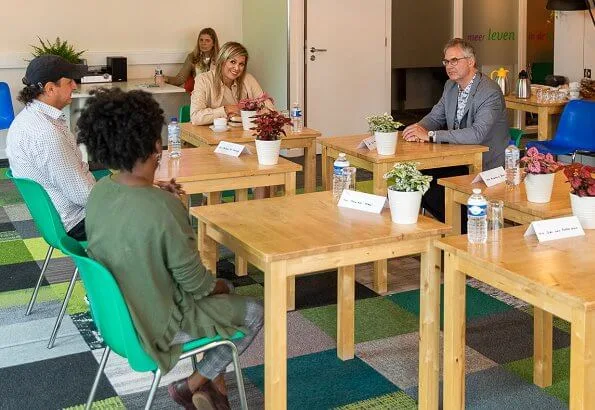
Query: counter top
pixel 145 84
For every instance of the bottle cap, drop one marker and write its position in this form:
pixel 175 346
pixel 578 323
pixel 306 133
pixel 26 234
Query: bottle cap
pixel 174 119
pixel 477 191
pixel 512 142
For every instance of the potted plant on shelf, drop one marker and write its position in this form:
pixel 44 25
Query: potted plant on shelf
pixel 404 195
pixel 384 129
pixel 268 129
pixel 582 193
pixel 58 48
pixel 539 175
pixel 249 107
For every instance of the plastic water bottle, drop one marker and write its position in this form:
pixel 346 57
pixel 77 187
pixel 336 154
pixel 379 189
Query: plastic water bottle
pixel 511 165
pixel 477 221
pixel 174 143
pixel 297 121
pixel 338 179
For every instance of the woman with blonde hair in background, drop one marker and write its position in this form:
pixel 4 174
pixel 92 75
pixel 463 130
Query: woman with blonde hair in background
pixel 200 60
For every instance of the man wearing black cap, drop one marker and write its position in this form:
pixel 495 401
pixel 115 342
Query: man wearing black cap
pixel 40 145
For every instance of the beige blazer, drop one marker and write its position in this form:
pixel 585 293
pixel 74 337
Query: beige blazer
pixel 205 106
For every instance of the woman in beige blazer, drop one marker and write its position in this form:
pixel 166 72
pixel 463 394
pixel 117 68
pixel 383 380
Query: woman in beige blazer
pixel 217 92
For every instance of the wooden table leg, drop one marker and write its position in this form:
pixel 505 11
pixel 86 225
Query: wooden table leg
pixel 542 347
pixel 346 312
pixel 214 198
pixel 544 124
pixel 208 249
pixel 310 167
pixel 429 331
pixel 327 170
pixel 290 183
pixel 454 334
pixel 380 275
pixel 452 212
pixel 290 190
pixel 477 165
pixel 582 359
pixel 275 336
pixel 240 263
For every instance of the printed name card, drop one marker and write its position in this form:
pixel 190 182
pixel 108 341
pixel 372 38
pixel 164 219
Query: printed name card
pixel 231 149
pixel 362 201
pixel 369 143
pixel 557 228
pixel 491 177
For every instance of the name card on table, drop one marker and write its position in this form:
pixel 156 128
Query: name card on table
pixel 362 201
pixel 369 143
pixel 557 228
pixel 231 149
pixel 491 177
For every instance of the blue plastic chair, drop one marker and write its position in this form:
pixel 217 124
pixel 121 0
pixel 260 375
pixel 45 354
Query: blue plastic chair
pixel 112 317
pixel 6 109
pixel 575 133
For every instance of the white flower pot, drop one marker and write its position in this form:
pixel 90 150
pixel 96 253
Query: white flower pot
pixel 247 120
pixel 583 207
pixel 404 206
pixel 268 152
pixel 539 187
pixel 386 142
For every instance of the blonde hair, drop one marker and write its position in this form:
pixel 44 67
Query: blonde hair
pixel 231 50
pixel 198 56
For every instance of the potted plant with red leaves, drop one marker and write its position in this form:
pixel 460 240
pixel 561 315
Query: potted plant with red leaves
pixel 268 129
pixel 539 175
pixel 582 193
pixel 249 107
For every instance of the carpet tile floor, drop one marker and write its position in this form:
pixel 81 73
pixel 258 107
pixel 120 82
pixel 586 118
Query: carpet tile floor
pixel 383 375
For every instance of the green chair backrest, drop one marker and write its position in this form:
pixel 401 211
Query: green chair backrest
pixel 42 209
pixel 541 70
pixel 516 134
pixel 184 114
pixel 108 308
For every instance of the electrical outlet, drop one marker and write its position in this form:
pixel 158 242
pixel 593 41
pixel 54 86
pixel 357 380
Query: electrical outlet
pixel 587 73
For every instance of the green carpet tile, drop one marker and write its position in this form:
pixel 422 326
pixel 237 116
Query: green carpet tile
pixel 112 403
pixel 256 291
pixel 8 193
pixel 38 248
pixel 398 400
pixel 558 323
pixel 14 252
pixel 77 303
pixel 21 297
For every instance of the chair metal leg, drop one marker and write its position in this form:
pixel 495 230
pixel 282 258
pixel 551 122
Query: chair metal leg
pixel 102 363
pixel 573 157
pixel 239 376
pixel 156 379
pixel 63 309
pixel 48 256
pixel 194 363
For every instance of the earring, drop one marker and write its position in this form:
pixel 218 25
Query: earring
pixel 157 158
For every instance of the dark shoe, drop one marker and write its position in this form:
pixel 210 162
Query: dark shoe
pixel 221 401
pixel 180 393
pixel 202 400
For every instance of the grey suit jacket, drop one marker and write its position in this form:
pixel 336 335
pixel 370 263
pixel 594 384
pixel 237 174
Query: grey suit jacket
pixel 484 120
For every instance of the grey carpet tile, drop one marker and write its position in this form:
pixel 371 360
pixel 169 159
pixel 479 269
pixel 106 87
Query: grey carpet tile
pixel 498 294
pixel 7 236
pixel 17 212
pixel 86 326
pixel 16 314
pixel 3 216
pixel 58 270
pixel 397 358
pixel 26 229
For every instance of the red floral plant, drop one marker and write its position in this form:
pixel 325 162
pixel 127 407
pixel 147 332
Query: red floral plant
pixel 581 179
pixel 254 104
pixel 269 126
pixel 535 162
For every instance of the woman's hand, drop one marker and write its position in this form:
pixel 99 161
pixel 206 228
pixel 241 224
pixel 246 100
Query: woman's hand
pixel 170 186
pixel 231 110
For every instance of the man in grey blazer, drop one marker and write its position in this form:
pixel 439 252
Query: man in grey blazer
pixel 470 111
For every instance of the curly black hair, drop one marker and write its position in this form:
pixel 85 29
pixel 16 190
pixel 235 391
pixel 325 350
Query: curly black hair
pixel 29 93
pixel 120 128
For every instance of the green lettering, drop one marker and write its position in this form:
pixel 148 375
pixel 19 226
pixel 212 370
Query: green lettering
pixel 505 36
pixel 512 35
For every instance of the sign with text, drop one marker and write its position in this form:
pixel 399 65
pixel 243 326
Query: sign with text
pixel 362 201
pixel 557 228
pixel 231 149
pixel 369 143
pixel 491 177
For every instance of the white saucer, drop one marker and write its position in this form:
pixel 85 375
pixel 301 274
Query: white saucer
pixel 212 127
pixel 575 98
pixel 234 124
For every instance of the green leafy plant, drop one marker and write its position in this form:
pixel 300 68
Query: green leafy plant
pixel 407 178
pixel 382 123
pixel 58 48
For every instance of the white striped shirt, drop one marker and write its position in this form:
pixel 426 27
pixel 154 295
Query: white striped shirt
pixel 41 147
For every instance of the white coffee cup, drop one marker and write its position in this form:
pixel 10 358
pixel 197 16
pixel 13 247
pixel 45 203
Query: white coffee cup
pixel 220 123
pixel 573 86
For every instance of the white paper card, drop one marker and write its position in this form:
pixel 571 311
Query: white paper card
pixel 362 201
pixel 369 143
pixel 231 149
pixel 491 177
pixel 557 228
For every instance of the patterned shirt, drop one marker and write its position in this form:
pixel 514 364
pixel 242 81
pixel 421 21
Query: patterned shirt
pixel 462 102
pixel 41 147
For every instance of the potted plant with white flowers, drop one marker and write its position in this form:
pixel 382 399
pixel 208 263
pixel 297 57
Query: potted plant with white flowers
pixel 384 128
pixel 404 195
pixel 268 130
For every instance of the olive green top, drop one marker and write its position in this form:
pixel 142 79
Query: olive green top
pixel 143 237
pixel 188 69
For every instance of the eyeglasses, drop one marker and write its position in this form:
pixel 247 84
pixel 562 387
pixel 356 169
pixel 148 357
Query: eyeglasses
pixel 453 61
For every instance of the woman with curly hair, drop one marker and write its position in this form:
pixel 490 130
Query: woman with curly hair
pixel 143 236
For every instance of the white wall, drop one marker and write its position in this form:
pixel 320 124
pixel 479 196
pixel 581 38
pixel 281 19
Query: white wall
pixel 574 44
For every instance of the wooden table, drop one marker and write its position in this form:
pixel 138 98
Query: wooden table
pixel 428 156
pixel 200 170
pixel 516 207
pixel 556 276
pixel 546 113
pixel 290 236
pixel 199 135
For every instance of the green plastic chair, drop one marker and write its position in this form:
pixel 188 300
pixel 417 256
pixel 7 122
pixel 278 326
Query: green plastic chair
pixel 112 318
pixel 184 114
pixel 50 226
pixel 515 135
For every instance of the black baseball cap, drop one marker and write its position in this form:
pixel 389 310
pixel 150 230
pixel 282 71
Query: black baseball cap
pixel 49 67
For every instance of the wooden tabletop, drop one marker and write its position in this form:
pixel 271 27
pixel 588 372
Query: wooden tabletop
pixel 406 151
pixel 198 164
pixel 559 204
pixel 237 134
pixel 533 101
pixel 309 224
